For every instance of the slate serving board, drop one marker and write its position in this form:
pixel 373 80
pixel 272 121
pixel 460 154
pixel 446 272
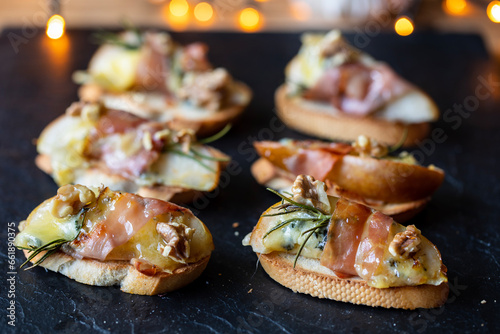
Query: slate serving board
pixel 234 294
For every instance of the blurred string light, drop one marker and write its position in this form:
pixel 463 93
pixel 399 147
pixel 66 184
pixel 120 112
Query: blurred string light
pixel 493 11
pixel 300 10
pixel 455 7
pixel 55 24
pixel 55 27
pixel 403 26
pixel 178 8
pixel 249 19
pixel 203 12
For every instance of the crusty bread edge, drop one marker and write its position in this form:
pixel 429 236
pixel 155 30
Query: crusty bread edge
pixel 338 127
pixel 307 278
pixel 266 174
pixel 122 273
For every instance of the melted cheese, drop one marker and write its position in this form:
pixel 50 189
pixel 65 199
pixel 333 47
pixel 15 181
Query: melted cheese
pixel 42 227
pixel 114 68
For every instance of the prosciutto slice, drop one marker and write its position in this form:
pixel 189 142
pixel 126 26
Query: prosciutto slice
pixel 114 220
pixel 358 89
pixel 357 240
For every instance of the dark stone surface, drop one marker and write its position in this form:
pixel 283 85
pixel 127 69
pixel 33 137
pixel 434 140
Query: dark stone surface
pixel 462 219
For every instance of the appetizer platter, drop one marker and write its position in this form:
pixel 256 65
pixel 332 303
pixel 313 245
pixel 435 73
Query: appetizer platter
pixel 234 292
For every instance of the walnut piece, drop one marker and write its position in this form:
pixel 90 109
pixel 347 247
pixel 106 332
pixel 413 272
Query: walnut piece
pixel 87 111
pixel 178 238
pixel 333 44
pixel 365 146
pixel 206 89
pixel 71 199
pixel 405 243
pixel 306 190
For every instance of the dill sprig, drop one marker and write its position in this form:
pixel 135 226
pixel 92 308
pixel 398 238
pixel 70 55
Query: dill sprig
pixel 53 246
pixel 288 206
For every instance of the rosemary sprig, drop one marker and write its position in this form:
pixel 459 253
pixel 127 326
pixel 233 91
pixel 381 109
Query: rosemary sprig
pixel 208 157
pixel 315 215
pixel 216 136
pixel 104 37
pixel 400 143
pixel 53 246
pixel 196 155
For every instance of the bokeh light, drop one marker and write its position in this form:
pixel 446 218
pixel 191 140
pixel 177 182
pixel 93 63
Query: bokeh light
pixel 404 26
pixel 55 27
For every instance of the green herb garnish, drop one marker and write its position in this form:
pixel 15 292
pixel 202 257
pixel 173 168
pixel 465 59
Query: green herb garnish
pixel 288 206
pixel 105 37
pixel 196 155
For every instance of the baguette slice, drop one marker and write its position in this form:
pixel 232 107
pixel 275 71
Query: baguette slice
pixel 322 120
pixel 311 278
pixel 335 91
pixel 105 238
pixel 68 144
pixel 332 248
pixel 150 75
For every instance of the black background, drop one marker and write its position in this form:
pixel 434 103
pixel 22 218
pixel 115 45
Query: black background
pixel 233 294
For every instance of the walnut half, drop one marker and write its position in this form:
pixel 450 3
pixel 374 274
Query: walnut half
pixel 306 190
pixel 178 238
pixel 405 243
pixel 71 199
pixel 365 146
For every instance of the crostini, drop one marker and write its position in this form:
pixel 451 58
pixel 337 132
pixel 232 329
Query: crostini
pixel 93 146
pixel 335 91
pixel 362 172
pixel 152 76
pixel 329 247
pixel 104 238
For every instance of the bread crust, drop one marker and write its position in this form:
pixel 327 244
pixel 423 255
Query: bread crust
pixel 307 278
pixel 265 173
pixel 122 273
pixel 206 125
pixel 336 126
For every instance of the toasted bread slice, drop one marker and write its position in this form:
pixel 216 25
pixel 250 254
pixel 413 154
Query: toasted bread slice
pixel 311 278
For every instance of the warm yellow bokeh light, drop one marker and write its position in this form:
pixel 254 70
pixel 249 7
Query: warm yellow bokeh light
pixel 300 10
pixel 249 19
pixel 55 27
pixel 455 7
pixel 203 12
pixel 178 23
pixel 493 11
pixel 403 26
pixel 179 7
